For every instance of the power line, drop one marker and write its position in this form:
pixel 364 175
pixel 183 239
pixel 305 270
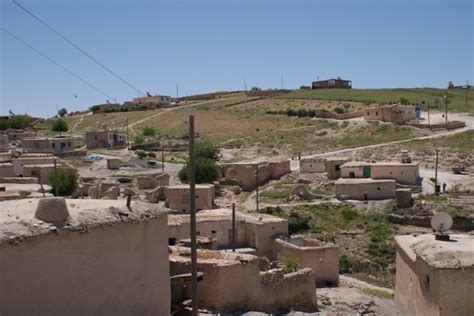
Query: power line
pixel 77 47
pixel 54 62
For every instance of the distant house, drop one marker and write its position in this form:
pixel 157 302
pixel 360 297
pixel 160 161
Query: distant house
pixel 155 99
pixel 106 140
pixel 53 145
pixel 399 114
pixel 337 83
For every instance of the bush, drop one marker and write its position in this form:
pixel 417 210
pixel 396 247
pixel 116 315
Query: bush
pixel 290 264
pixel 404 101
pixel 207 170
pixel 290 112
pixel 148 131
pixel 312 113
pixel 64 179
pixel 298 223
pixel 151 154
pixel 207 149
pixel 302 113
pixel 339 110
pixel 138 139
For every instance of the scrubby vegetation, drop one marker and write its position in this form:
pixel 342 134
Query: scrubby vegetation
pixel 17 122
pixel 207 170
pixel 64 180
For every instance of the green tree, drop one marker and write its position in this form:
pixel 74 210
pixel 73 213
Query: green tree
pixel 64 179
pixel 138 139
pixel 207 170
pixel 62 112
pixel 60 125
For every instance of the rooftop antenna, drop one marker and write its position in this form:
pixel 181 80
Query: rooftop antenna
pixel 441 222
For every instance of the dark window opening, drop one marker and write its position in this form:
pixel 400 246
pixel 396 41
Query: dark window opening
pixel 351 174
pixel 213 231
pixel 338 167
pixel 171 241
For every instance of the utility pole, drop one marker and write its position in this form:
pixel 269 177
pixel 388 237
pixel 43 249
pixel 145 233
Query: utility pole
pixel 256 178
pixel 436 172
pixel 177 91
pixel 56 177
pixel 162 158
pixel 233 227
pixel 128 137
pixel 429 124
pixel 446 108
pixel 192 207
pixel 245 85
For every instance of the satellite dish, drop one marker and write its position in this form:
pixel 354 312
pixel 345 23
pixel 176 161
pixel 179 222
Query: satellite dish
pixel 441 222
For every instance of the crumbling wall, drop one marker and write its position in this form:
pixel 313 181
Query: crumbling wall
pixel 244 174
pixel 6 170
pixel 119 269
pixel 322 258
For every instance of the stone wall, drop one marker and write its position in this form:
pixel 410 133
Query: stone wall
pixel 244 174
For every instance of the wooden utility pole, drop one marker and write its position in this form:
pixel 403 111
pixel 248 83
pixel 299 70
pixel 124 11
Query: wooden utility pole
pixel 192 207
pixel 233 227
pixel 467 90
pixel 128 137
pixel 256 179
pixel 436 172
pixel 429 124
pixel 56 177
pixel 446 108
pixel 162 158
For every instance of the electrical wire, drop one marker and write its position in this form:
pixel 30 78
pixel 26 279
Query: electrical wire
pixel 54 62
pixel 77 47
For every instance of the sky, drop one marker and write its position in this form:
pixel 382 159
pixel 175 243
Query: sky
pixel 205 46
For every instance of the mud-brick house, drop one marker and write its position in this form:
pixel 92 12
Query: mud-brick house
pixel 399 114
pixel 434 277
pixel 105 140
pixel 365 189
pixel 53 145
pixel 402 173
pixel 177 197
pixel 83 257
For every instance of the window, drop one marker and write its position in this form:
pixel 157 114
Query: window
pixel 337 167
pixel 69 144
pixel 52 145
pixel 401 172
pixel 34 173
pixel 213 231
pixel 351 174
pixel 171 241
pixel 378 188
pixel 368 113
pixel 376 113
pixel 96 137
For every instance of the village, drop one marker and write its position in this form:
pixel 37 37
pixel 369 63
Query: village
pixel 227 158
pixel 114 208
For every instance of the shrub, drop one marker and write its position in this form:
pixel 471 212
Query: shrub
pixel 339 110
pixel 290 112
pixel 62 112
pixel 64 179
pixel 151 154
pixel 207 149
pixel 404 101
pixel 302 113
pixel 148 131
pixel 298 223
pixel 138 139
pixel 207 170
pixel 290 264
pixel 312 113
pixel 140 153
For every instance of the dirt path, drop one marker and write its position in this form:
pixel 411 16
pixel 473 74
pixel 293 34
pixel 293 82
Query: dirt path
pixel 132 125
pixel 80 121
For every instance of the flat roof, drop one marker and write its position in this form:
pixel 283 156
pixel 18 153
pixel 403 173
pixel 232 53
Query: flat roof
pixel 337 158
pixel 213 257
pixel 185 186
pixel 362 181
pixel 378 164
pixel 455 254
pixel 17 217
pixel 44 165
pixel 50 138
pixel 223 214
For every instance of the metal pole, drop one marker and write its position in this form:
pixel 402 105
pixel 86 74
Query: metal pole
pixel 436 170
pixel 192 207
pixel 256 178
pixel 128 138
pixel 56 176
pixel 233 227
pixel 162 158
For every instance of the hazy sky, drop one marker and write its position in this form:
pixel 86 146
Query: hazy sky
pixel 213 45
